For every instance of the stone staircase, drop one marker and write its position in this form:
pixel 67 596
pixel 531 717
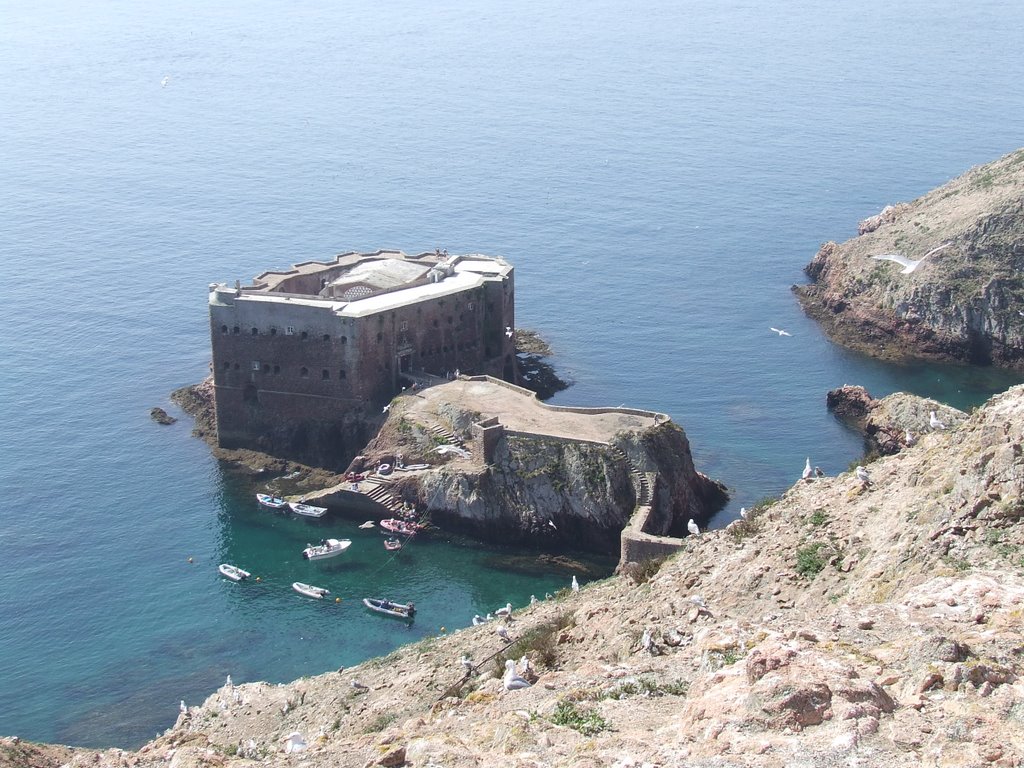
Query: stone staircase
pixel 641 483
pixel 381 493
pixel 442 433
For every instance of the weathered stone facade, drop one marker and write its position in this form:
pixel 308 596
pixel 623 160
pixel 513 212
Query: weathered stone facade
pixel 304 360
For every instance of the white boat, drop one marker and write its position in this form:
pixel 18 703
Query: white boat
pixel 271 502
pixel 233 572
pixel 389 608
pixel 306 510
pixel 309 590
pixel 326 548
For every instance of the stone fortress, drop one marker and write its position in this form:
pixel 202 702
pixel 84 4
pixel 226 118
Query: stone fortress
pixel 305 359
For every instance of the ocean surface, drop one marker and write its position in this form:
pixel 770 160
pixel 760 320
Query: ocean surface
pixel 659 174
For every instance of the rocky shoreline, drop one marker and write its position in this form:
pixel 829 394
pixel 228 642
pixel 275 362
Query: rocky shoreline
pixel 961 304
pixel 848 622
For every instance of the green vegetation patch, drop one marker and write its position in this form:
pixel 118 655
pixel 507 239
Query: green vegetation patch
pixel 810 561
pixel 582 719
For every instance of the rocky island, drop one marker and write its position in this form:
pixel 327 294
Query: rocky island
pixel 963 303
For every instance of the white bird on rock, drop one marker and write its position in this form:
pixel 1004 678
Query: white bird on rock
pixel 533 600
pixel 807 469
pixel 502 631
pixel 294 742
pixel 909 265
pixel 575 584
pixel 467 664
pixel 228 682
pixel 909 438
pixel 182 708
pixel 692 527
pixel 933 421
pixel 647 641
pixel 506 611
pixel 780 332
pixel 360 686
pixel 700 602
pixel 523 665
pixel 743 513
pixel 862 475
pixel 511 680
pixel 478 620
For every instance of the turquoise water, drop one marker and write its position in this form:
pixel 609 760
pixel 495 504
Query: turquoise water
pixel 659 175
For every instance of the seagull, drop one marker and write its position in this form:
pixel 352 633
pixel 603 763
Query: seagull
pixel 780 332
pixel 294 742
pixel 503 633
pixel 909 438
pixel 692 527
pixel 575 584
pixel 478 620
pixel 508 331
pixel 818 472
pixel 165 81
pixel 359 686
pixel 182 708
pixel 467 663
pixel 700 602
pixel 533 600
pixel 228 682
pixel 368 524
pixel 511 680
pixel 552 524
pixel 386 408
pixel 933 421
pixel 743 513
pixel 506 611
pixel 807 469
pixel 909 265
pixel 862 475
pixel 523 665
pixel 647 641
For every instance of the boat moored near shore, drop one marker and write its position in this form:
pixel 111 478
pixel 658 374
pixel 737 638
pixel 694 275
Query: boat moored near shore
pixel 326 548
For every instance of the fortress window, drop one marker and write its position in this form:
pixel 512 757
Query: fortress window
pixel 341 374
pixel 255 331
pixel 255 365
pixel 273 331
pixel 304 372
pixel 227 365
pixel 266 367
pixel 327 337
pixel 277 369
pixel 380 337
pixel 435 323
pixel 325 374
pixel 344 339
pixel 304 334
pixel 289 330
pixel 236 330
pixel 223 329
pixel 449 319
pixel 471 305
pixel 236 366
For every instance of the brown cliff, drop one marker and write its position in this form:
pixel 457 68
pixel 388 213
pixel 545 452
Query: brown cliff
pixel 961 304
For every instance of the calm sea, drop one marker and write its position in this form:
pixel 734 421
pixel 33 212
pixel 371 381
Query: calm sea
pixel 659 175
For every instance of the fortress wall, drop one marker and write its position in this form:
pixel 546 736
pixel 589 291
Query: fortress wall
pixel 637 546
pixel 570 408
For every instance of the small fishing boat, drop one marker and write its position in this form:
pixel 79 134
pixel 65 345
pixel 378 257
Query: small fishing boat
pixel 355 477
pixel 310 591
pixel 326 548
pixel 413 467
pixel 389 608
pixel 401 527
pixel 392 545
pixel 233 572
pixel 306 510
pixel 270 501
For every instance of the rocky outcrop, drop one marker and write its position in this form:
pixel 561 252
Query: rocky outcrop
pixel 962 304
pixel 891 423
pixel 844 624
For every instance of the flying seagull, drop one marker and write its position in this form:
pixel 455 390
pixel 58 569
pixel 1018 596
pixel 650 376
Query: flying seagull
pixel 909 265
pixel 780 332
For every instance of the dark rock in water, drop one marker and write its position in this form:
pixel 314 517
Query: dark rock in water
pixel 534 373
pixel 850 404
pixel 160 416
pixel 545 563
